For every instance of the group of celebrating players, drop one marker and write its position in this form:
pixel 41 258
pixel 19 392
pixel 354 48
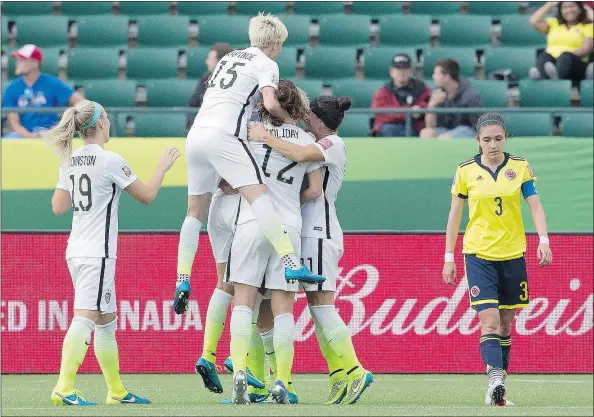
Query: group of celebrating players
pixel 271 210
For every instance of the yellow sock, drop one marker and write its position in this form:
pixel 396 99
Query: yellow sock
pixel 268 342
pixel 215 323
pixel 241 328
pixel 106 352
pixel 256 358
pixel 333 361
pixel 74 350
pixel 284 327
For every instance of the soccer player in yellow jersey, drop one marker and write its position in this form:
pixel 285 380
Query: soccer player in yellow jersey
pixel 494 243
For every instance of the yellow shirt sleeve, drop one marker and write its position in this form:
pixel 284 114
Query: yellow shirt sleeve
pixel 528 174
pixel 552 22
pixel 459 187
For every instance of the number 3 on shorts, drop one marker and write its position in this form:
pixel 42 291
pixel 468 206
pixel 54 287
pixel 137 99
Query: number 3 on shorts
pixel 524 296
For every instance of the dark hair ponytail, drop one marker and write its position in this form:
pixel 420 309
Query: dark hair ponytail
pixel 331 109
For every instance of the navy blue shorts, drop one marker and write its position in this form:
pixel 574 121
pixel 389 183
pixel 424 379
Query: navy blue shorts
pixel 496 284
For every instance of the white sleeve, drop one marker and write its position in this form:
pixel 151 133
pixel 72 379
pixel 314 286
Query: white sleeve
pixel 63 179
pixel 119 172
pixel 312 166
pixel 330 150
pixel 269 76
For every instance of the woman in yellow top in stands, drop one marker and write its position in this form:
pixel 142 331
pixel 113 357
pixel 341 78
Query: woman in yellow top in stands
pixel 493 182
pixel 569 42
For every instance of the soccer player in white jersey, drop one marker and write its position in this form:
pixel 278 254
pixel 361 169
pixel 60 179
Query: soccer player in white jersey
pixel 90 182
pixel 322 243
pixel 217 147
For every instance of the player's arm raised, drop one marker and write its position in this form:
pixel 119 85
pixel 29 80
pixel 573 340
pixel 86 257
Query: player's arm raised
pixel 297 153
pixel 273 105
pixel 146 193
pixel 314 190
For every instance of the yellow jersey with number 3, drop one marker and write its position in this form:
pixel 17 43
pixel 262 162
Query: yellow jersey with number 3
pixel 495 229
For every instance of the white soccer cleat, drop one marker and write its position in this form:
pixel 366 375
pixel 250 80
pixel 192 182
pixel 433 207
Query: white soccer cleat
pixel 496 393
pixel 240 389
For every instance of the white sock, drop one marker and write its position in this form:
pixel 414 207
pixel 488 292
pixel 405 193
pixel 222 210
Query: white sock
pixel 218 306
pixel 188 245
pixel 268 342
pixel 241 333
pixel 284 328
pixel 332 325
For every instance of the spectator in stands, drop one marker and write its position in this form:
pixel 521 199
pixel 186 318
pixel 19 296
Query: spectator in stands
pixel 570 42
pixel 401 91
pixel 452 90
pixel 34 89
pixel 217 51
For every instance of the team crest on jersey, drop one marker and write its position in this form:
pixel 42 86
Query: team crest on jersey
pixel 325 143
pixel 474 291
pixel 126 170
pixel 107 296
pixel 530 171
pixel 510 174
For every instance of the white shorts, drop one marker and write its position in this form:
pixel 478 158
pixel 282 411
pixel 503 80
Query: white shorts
pixel 254 262
pixel 94 283
pixel 213 154
pixel 222 216
pixel 322 256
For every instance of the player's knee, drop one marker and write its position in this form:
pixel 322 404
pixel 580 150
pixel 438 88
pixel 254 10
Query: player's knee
pixel 489 319
pixel 226 287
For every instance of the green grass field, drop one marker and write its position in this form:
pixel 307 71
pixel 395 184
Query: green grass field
pixel 558 395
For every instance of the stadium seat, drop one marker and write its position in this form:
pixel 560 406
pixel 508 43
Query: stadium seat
pixel 155 124
pixel 148 63
pixel 434 7
pixel 528 124
pixel 544 93
pixel 315 8
pixel 313 88
pixel 401 30
pixel 144 7
pixel 102 30
pixel 196 66
pixel 230 29
pixel 252 8
pixel 516 31
pixel 517 59
pixel 93 63
pixel 360 91
pixel 4 34
pixel 201 8
pixel 168 93
pixel 456 30
pixel 586 93
pixel 577 125
pixel 110 93
pixel 77 8
pixel 378 60
pixel 355 125
pixel 344 29
pixel 465 56
pixel 19 8
pixel 42 30
pixel 493 93
pixel 298 27
pixel 162 30
pixel 287 62
pixel 376 8
pixel 330 62
pixel 494 9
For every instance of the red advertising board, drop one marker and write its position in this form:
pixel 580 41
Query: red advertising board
pixel 403 318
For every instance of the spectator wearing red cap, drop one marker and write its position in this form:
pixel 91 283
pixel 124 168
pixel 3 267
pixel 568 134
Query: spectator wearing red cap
pixel 401 91
pixel 34 89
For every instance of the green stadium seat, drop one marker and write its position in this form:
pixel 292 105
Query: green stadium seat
pixel 42 30
pixel 93 63
pixel 287 62
pixel 493 8
pixel 315 8
pixel 155 125
pixel 330 62
pixel 4 34
pixel 298 28
pixel 355 125
pixel 456 30
pixel 196 66
pixel 516 31
pixel 586 93
pixel 252 8
pixel 378 60
pixel 544 93
pixel 162 30
pixel 401 30
pixel 434 7
pixel 19 8
pixel 103 30
pixel 76 8
pixel 517 59
pixel 492 92
pixel 110 93
pixel 465 56
pixel 579 125
pixel 376 8
pixel 230 29
pixel 144 7
pixel 168 93
pixel 528 124
pixel 201 8
pixel 360 91
pixel 344 29
pixel 313 88
pixel 148 63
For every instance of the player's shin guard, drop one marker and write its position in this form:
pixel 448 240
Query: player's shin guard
pixel 215 323
pixel 333 361
pixel 187 247
pixel 241 331
pixel 268 342
pixel 106 352
pixel 505 348
pixel 74 350
pixel 284 328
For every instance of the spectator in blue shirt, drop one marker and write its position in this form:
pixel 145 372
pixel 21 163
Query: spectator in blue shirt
pixel 34 89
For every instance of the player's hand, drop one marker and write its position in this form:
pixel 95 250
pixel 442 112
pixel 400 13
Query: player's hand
pixel 257 132
pixel 449 273
pixel 180 300
pixel 544 254
pixel 438 96
pixel 168 158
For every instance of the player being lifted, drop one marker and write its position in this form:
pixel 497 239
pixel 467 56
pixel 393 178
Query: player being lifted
pixel 90 182
pixel 216 147
pixel 322 243
pixel 495 243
